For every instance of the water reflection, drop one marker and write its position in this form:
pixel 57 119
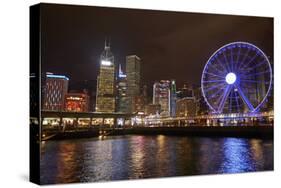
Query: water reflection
pixel 67 163
pixel 256 149
pixel 237 156
pixel 137 157
pixel 132 157
pixel 209 155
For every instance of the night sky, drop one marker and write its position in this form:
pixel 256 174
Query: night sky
pixel 172 45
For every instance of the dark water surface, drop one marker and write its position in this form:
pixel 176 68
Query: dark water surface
pixel 133 157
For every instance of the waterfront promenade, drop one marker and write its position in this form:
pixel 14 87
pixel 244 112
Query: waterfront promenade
pixel 205 131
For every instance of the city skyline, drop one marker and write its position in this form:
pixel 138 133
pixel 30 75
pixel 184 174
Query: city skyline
pixel 74 36
pixel 123 94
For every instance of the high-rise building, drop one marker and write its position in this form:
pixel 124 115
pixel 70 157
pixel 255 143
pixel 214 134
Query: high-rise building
pixel 88 87
pixel 55 89
pixel 139 102
pixel 144 94
pixel 133 80
pixel 77 102
pixel 173 99
pixel 122 97
pixel 201 105
pixel 161 95
pixel 152 109
pixel 186 107
pixel 185 91
pixel 105 96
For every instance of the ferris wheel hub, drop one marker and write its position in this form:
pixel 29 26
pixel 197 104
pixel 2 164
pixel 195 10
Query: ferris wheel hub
pixel 230 78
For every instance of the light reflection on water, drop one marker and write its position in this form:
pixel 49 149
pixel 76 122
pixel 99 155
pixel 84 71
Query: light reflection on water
pixel 132 157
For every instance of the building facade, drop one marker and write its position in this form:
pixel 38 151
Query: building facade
pixel 144 94
pixel 173 98
pixel 161 95
pixel 55 89
pixel 77 102
pixel 152 109
pixel 105 96
pixel 133 80
pixel 201 105
pixel 186 107
pixel 139 102
pixel 122 96
pixel 185 91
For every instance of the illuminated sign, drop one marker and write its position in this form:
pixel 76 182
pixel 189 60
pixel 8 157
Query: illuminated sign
pixel 74 98
pixel 57 76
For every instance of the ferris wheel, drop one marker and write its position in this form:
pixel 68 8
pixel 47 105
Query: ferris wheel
pixel 236 78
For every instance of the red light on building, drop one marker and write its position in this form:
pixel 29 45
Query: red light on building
pixel 76 102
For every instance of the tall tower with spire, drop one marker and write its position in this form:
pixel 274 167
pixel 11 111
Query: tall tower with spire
pixel 122 98
pixel 105 97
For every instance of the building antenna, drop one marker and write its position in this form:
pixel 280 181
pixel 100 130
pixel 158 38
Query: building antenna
pixel 109 42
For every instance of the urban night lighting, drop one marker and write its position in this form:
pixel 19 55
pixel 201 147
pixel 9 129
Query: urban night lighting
pixel 105 90
pixel 230 78
pixel 106 63
pixel 148 103
pixel 57 76
pixel 241 60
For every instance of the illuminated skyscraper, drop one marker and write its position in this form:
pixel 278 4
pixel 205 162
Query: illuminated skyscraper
pixel 105 97
pixel 122 97
pixel 186 107
pixel 173 98
pixel 55 89
pixel 140 101
pixel 133 79
pixel 144 94
pixel 161 95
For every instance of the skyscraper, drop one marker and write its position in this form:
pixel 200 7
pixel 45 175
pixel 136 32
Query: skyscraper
pixel 133 80
pixel 185 91
pixel 139 101
pixel 105 97
pixel 173 98
pixel 186 107
pixel 201 105
pixel 122 97
pixel 161 95
pixel 55 89
pixel 144 94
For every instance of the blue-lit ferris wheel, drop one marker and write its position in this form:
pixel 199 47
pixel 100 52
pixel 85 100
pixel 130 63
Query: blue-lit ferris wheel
pixel 236 78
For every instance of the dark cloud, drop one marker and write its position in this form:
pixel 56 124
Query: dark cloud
pixel 171 44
